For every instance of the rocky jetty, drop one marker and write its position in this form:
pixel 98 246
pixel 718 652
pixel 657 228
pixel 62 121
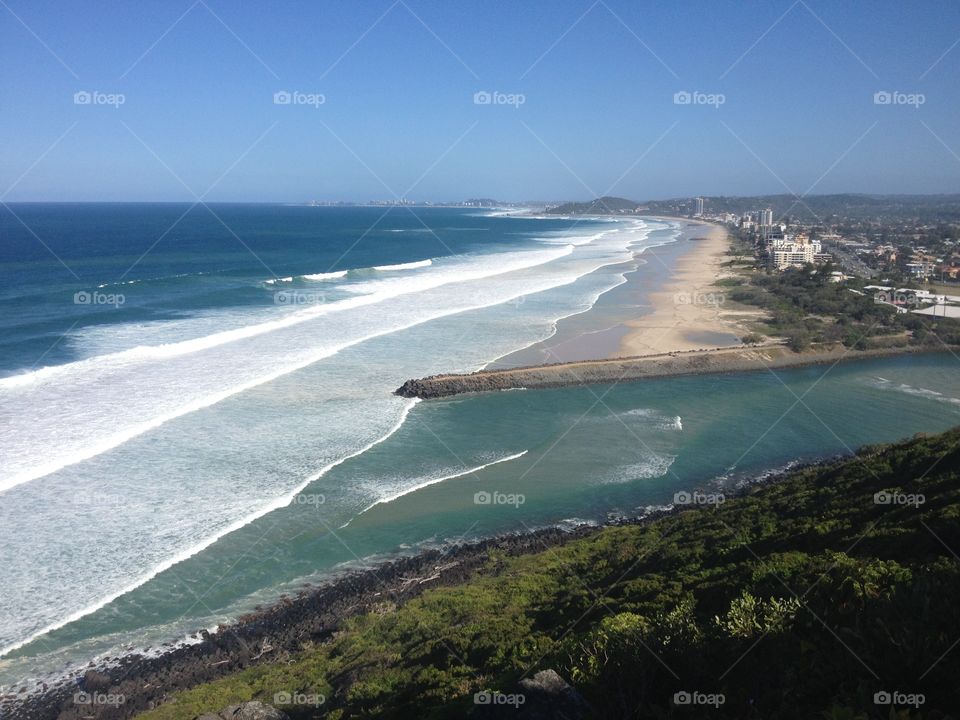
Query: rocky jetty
pixel 617 370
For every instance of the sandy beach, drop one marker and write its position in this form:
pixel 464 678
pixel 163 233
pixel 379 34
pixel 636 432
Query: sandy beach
pixel 666 304
pixel 687 311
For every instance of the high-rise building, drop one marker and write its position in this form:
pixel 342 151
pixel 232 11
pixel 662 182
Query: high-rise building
pixel 793 251
pixel 766 217
pixel 699 205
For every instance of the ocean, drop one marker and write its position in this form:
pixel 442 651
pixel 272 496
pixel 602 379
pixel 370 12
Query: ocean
pixel 197 413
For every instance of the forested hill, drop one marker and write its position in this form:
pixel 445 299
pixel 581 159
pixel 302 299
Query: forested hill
pixel 600 206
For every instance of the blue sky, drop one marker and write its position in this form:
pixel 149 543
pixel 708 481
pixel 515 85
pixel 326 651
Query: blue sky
pixel 598 80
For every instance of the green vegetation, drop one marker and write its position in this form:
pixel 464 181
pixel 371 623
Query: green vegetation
pixel 801 599
pixel 805 307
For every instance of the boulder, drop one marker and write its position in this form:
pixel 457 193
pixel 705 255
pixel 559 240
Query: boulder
pixel 545 696
pixel 96 681
pixel 550 696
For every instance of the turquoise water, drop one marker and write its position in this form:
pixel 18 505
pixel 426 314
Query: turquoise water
pixel 226 371
pixel 172 462
pixel 591 453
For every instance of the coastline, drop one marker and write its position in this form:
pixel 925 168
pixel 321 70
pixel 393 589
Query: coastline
pixel 276 635
pixel 640 316
pixel 686 309
pixel 428 570
pixel 273 633
pixel 686 332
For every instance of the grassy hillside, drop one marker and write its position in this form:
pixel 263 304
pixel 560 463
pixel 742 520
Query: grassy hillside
pixel 802 599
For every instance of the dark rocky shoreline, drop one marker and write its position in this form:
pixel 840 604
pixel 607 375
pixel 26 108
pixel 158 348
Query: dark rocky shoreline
pixel 274 633
pixel 269 635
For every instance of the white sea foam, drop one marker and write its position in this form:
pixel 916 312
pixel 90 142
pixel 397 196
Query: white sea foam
pixel 405 266
pixel 661 422
pixel 136 408
pixel 115 396
pixel 153 279
pixel 326 275
pixel 920 392
pixel 274 504
pixel 433 481
pixel 397 286
pixel 652 466
pixel 115 284
pixel 643 418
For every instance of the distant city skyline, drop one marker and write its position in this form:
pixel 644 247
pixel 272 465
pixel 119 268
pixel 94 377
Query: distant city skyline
pixel 421 100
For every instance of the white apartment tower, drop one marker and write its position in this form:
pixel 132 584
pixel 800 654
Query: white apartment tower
pixel 793 251
pixel 699 206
